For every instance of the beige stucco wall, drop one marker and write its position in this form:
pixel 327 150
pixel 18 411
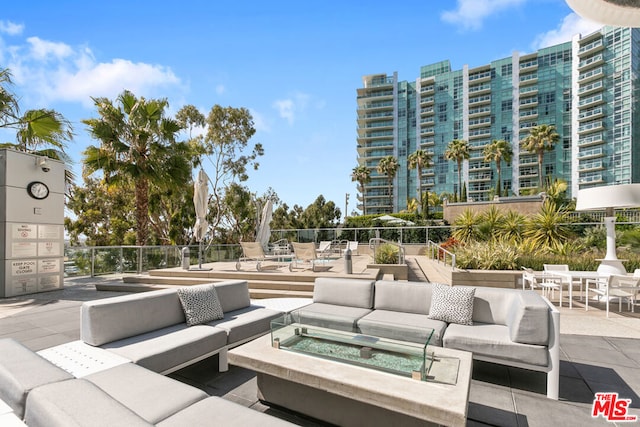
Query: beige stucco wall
pixel 525 205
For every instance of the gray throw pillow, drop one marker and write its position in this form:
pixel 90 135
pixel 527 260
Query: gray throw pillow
pixel 200 304
pixel 452 304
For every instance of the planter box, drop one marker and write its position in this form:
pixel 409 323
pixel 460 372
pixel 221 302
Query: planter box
pixel 399 271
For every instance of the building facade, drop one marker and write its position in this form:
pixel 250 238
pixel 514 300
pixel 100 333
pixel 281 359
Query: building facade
pixel 586 88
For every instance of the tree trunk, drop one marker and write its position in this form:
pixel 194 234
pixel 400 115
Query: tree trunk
pixel 419 170
pixel 364 199
pixel 142 211
pixel 499 180
pixel 540 160
pixel 460 180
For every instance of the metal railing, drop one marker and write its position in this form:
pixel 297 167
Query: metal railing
pixel 440 254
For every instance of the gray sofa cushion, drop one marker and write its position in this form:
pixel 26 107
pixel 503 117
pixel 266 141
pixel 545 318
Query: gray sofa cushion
pixel 528 319
pixel 21 370
pixel 452 304
pixel 492 305
pixel 233 295
pixel 77 402
pixel 246 323
pixel 493 341
pixel 402 326
pixel 351 292
pixel 408 297
pixel 200 304
pixel 163 349
pixel 215 411
pixel 152 396
pixel 332 316
pixel 112 319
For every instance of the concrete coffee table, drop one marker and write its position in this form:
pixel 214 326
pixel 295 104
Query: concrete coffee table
pixel 346 394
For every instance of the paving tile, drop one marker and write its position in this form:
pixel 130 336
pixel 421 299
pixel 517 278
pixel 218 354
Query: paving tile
pixel 575 390
pixel 624 392
pixel 40 343
pixel 603 358
pixel 543 412
pixel 567 369
pixel 524 379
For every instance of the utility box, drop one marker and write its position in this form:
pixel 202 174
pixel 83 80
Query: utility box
pixel 31 223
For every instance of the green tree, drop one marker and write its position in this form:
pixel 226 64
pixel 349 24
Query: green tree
pixel 44 132
pixel 362 175
pixel 458 151
pixel 419 160
pixel 541 138
pixel 137 143
pixel 498 150
pixel 226 145
pixel 103 214
pixel 388 166
pixel 465 226
pixel 320 214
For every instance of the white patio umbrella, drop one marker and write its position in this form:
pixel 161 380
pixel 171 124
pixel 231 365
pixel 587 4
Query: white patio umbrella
pixel 264 229
pixel 200 202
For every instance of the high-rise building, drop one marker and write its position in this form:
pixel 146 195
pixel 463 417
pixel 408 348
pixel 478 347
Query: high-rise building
pixel 587 88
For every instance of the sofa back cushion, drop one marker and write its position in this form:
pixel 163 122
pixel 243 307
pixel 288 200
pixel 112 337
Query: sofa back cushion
pixel 349 292
pixel 233 295
pixel 491 305
pixel 528 319
pixel 111 319
pixel 406 297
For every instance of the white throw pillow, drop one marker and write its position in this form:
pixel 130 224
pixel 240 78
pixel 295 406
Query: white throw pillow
pixel 452 304
pixel 200 304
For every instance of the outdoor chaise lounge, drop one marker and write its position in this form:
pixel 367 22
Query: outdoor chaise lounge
pixel 253 251
pixel 304 252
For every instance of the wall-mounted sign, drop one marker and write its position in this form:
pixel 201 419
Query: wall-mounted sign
pixel 48 282
pixel 24 231
pixel 23 267
pixel 23 249
pixel 49 249
pixel 49 265
pixel 23 285
pixel 49 232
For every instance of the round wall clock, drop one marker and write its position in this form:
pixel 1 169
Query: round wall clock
pixel 38 190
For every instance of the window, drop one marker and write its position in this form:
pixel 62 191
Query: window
pixel 507 105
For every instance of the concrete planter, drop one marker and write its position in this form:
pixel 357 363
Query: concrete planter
pixel 399 271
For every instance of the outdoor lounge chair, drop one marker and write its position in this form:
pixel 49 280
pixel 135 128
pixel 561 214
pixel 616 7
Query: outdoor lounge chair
pixel 546 282
pixel 305 252
pixel 615 286
pixel 253 251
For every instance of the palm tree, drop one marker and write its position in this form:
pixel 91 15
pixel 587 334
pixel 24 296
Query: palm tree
pixel 498 150
pixel 362 175
pixel 44 132
pixel 458 150
pixel 389 166
pixel 137 143
pixel 541 138
pixel 418 160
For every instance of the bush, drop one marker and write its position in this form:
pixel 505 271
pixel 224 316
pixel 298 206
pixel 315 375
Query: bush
pixel 386 254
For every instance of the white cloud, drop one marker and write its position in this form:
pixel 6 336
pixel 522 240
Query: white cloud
pixel 571 25
pixel 42 50
pixel 470 14
pixel 50 71
pixel 11 28
pixel 259 122
pixel 289 107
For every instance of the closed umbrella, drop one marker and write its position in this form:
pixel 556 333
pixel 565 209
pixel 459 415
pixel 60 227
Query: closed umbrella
pixel 264 229
pixel 200 202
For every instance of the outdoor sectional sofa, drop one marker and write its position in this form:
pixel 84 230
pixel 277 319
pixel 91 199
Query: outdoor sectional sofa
pixel 126 395
pixel 151 330
pixel 505 326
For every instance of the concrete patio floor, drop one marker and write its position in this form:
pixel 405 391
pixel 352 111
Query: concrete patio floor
pixel 598 354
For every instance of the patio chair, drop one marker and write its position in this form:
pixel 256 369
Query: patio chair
pixel 353 247
pixel 251 251
pixel 615 286
pixel 547 283
pixel 551 268
pixel 304 252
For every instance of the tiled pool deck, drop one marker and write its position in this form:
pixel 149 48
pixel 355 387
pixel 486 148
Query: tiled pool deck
pixel 598 354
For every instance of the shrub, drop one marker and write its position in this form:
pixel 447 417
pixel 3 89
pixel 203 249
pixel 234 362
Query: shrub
pixel 386 253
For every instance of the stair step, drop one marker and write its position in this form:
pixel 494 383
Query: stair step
pixel 270 293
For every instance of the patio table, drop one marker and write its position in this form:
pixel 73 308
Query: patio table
pixel 583 276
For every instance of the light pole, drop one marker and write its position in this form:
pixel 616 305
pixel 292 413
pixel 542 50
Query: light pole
pixel 346 206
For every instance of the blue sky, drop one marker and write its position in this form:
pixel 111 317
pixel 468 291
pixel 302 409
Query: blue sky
pixel 295 65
